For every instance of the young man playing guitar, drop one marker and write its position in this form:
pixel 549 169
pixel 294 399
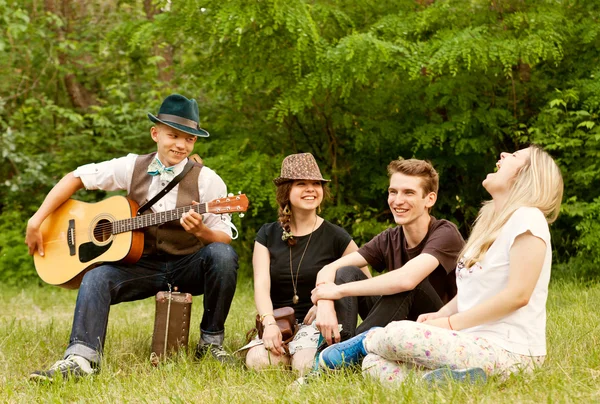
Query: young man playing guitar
pixel 192 253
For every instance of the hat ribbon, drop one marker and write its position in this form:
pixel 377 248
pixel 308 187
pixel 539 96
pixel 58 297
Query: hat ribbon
pixel 177 119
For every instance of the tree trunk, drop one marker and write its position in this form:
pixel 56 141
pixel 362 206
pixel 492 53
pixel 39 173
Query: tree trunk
pixel 81 97
pixel 165 70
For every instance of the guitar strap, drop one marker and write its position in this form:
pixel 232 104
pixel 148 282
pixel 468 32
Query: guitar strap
pixel 166 189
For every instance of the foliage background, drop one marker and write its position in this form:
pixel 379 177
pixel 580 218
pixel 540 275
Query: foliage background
pixel 357 83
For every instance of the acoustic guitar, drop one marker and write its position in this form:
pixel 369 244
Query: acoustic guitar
pixel 79 236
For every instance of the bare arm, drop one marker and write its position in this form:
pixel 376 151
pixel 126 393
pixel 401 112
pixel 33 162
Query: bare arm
pixel 58 195
pixel 399 280
pixel 449 309
pixel 352 247
pixel 262 279
pixel 526 262
pixel 351 257
pixel 262 298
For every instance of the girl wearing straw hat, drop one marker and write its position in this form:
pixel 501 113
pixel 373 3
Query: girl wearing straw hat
pixel 287 256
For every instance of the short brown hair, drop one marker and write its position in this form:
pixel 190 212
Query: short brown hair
pixel 430 180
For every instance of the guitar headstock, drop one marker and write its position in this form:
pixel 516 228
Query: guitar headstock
pixel 228 204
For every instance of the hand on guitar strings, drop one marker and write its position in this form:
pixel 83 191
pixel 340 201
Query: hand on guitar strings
pixel 191 222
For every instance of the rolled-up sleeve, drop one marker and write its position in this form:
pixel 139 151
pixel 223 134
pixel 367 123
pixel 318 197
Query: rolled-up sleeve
pixel 211 187
pixel 110 175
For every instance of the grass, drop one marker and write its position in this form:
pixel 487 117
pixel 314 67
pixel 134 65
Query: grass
pixel 35 324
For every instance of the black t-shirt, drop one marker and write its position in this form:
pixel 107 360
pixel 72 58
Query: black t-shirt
pixel 389 250
pixel 327 244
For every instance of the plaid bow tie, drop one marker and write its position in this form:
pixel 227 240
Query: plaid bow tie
pixel 157 168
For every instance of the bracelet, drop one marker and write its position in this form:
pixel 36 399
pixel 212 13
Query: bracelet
pixel 449 324
pixel 268 324
pixel 262 316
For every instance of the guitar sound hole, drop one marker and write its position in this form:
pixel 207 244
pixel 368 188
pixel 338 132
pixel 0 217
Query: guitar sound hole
pixel 102 231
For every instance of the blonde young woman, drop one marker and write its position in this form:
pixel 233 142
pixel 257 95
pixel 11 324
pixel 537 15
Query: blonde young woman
pixel 496 324
pixel 288 254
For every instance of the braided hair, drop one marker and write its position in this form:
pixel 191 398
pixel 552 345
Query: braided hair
pixel 284 211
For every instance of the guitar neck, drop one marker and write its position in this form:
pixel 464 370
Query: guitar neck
pixel 153 219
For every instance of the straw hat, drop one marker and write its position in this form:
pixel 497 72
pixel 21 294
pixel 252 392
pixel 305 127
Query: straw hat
pixel 301 166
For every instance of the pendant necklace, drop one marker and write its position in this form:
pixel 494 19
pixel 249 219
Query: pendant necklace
pixel 296 299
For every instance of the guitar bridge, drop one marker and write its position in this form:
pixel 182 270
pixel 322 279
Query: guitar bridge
pixel 71 237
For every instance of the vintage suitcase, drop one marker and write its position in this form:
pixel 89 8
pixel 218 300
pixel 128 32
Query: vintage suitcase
pixel 171 324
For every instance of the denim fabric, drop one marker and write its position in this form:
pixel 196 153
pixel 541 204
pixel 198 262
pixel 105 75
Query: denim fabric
pixel 211 271
pixel 379 311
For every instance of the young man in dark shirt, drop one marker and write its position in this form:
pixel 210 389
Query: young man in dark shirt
pixel 420 255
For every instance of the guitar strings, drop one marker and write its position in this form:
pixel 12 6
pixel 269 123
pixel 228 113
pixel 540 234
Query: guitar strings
pixel 178 211
pixel 109 225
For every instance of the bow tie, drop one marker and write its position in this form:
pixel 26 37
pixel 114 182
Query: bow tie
pixel 157 168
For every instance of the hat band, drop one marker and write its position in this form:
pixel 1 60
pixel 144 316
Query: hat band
pixel 177 119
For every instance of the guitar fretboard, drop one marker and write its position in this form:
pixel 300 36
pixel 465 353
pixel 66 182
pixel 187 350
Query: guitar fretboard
pixel 152 219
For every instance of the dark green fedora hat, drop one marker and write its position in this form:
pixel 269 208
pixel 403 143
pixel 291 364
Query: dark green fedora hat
pixel 180 113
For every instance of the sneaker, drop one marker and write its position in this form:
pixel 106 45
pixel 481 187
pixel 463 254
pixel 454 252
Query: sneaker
pixel 74 366
pixel 469 375
pixel 215 351
pixel 345 353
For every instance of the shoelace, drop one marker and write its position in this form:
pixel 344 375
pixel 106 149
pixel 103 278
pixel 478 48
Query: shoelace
pixel 218 351
pixel 64 364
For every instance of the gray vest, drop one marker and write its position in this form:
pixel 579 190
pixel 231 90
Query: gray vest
pixel 169 237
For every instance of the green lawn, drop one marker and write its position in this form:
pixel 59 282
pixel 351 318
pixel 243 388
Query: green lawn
pixel 35 325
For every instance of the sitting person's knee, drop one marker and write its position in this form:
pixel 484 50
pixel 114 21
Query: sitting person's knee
pixel 303 360
pixel 98 279
pixel 258 358
pixel 349 274
pixel 222 259
pixel 222 251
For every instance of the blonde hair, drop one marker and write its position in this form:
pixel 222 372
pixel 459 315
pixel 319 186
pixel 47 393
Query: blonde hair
pixel 538 184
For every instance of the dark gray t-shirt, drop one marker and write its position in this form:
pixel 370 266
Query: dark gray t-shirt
pixel 327 244
pixel 389 250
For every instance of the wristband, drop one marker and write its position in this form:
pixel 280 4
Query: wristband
pixel 449 324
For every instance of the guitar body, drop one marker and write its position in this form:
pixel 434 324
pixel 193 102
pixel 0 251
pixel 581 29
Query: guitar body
pixel 77 237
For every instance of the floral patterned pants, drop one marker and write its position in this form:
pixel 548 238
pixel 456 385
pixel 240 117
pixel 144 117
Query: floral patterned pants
pixel 404 345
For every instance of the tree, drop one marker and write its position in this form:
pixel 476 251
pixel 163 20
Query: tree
pixel 357 83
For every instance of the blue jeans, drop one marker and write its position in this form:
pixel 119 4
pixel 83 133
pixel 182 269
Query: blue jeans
pixel 211 271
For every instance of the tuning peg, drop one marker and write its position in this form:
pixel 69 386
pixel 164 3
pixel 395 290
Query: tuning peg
pixel 230 194
pixel 242 215
pixel 239 192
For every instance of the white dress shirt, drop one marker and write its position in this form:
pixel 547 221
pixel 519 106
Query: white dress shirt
pixel 116 174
